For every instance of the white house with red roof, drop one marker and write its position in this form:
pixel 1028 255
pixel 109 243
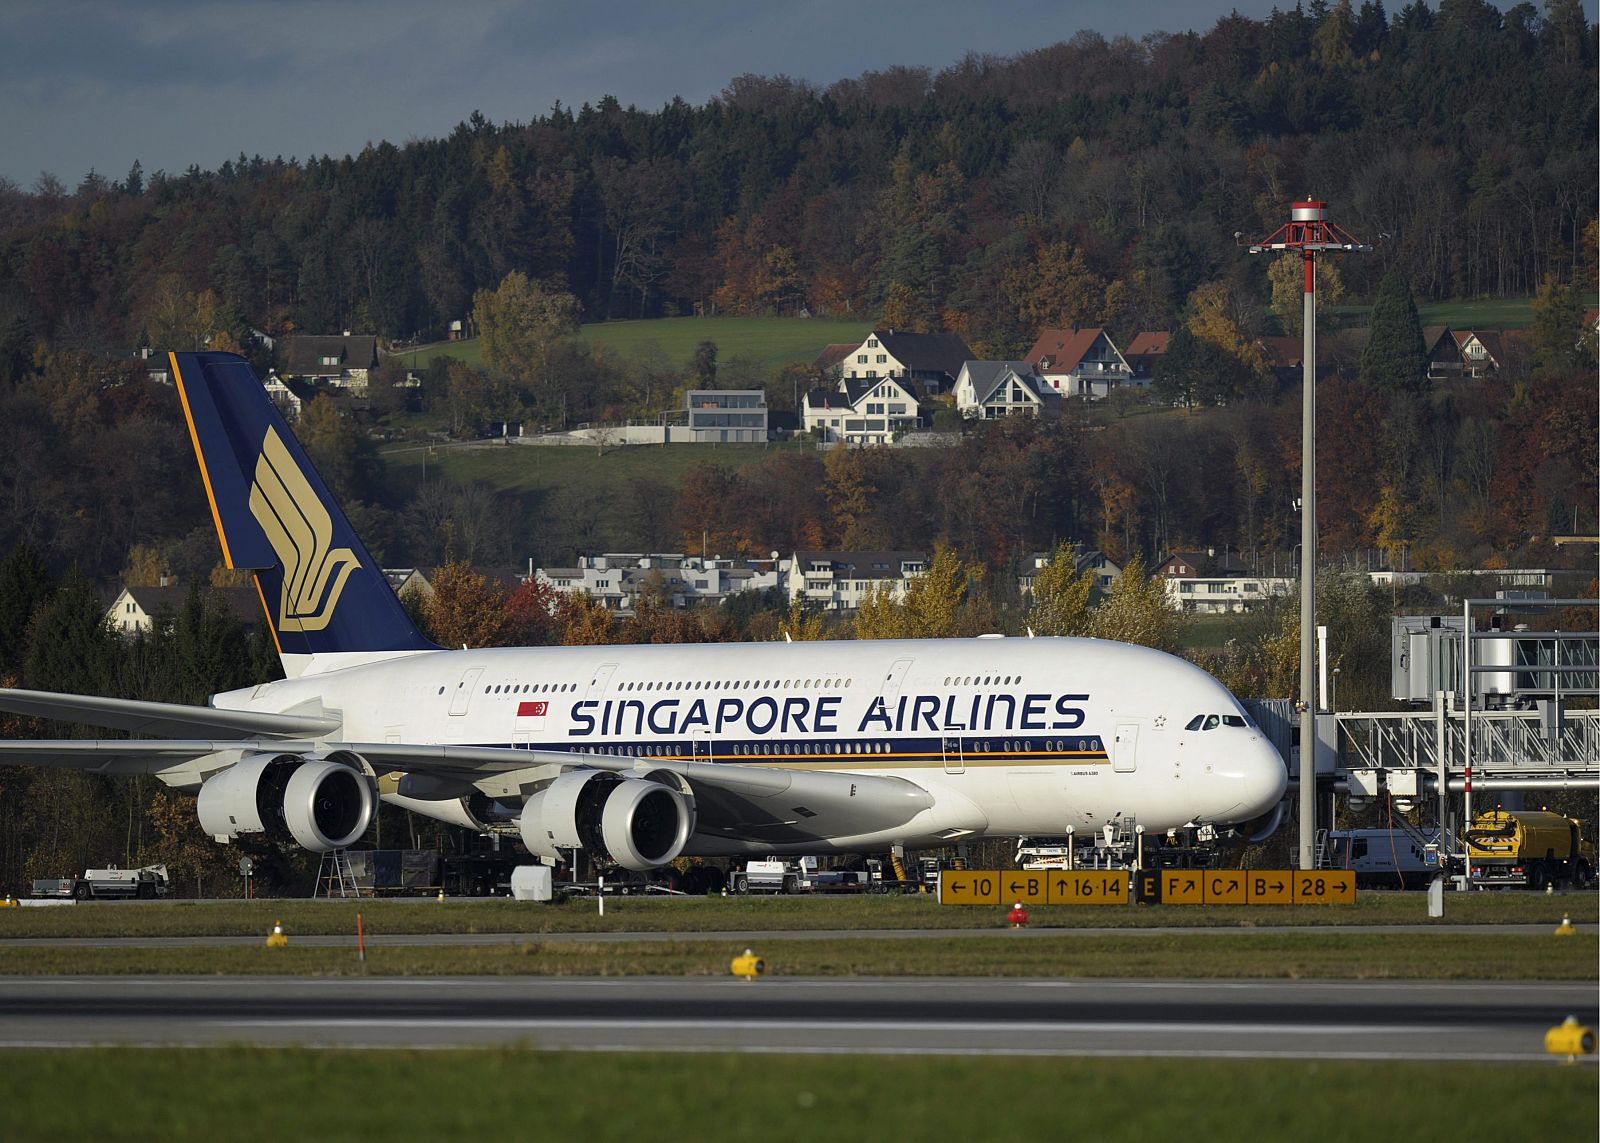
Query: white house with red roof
pixel 1080 363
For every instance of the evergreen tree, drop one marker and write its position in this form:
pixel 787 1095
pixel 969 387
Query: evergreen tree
pixel 25 583
pixel 1557 328
pixel 71 644
pixel 1396 358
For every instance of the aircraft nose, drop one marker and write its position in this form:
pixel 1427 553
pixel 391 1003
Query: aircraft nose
pixel 1263 777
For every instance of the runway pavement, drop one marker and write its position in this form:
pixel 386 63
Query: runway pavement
pixel 1247 1019
pixel 377 939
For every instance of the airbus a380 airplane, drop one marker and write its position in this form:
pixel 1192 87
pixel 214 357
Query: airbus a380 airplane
pixel 639 754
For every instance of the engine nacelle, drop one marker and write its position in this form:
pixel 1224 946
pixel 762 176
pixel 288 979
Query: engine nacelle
pixel 322 803
pixel 641 823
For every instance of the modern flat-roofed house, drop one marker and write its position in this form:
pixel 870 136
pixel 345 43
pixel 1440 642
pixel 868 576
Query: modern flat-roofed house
pixel 1080 363
pixel 868 412
pixel 725 416
pixel 343 360
pixel 839 581
pixel 617 579
pixel 989 390
pixel 930 361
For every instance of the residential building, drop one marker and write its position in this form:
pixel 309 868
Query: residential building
pixel 1080 363
pixel 285 398
pixel 929 361
pixel 1143 352
pixel 724 416
pixel 135 608
pixel 839 581
pixel 1210 595
pixel 1187 565
pixel 860 412
pixel 345 360
pixel 989 390
pixel 617 579
pixel 1106 571
pixel 1463 353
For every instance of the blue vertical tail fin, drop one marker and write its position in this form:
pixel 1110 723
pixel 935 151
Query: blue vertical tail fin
pixel 323 593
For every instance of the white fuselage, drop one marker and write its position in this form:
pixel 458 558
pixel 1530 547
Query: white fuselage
pixel 1010 736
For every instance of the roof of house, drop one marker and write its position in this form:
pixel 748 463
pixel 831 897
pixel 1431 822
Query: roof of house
pixel 1150 343
pixel 925 352
pixel 1223 563
pixel 1432 335
pixel 1061 350
pixel 1490 339
pixel 241 602
pixel 861 565
pixel 1283 352
pixel 303 353
pixel 833 355
pixel 987 376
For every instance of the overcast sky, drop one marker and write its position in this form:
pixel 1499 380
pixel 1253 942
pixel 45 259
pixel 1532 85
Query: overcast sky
pixel 99 83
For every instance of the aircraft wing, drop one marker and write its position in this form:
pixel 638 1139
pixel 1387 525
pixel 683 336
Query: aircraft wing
pixel 130 756
pixel 738 801
pixel 162 717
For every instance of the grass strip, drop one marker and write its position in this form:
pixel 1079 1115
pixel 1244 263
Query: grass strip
pixel 714 914
pixel 1328 956
pixel 271 1094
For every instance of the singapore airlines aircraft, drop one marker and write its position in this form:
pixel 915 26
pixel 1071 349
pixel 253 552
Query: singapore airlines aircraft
pixel 638 754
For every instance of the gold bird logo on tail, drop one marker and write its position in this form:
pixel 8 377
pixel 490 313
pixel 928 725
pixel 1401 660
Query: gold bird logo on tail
pixel 301 532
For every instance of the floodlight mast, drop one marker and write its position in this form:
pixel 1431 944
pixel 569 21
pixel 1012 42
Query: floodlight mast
pixel 1308 231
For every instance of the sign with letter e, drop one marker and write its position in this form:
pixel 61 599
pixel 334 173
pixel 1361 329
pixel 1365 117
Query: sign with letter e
pixel 969 887
pixel 1183 887
pixel 1325 887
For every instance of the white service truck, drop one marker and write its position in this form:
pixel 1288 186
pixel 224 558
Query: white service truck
pixel 145 884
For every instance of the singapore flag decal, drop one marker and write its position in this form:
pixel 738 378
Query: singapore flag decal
pixel 530 715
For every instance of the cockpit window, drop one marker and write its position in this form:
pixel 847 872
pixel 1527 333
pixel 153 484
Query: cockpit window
pixel 1211 722
pixel 1232 720
pixel 1194 723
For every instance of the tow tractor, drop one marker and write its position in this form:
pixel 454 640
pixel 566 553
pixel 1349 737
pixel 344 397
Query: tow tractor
pixel 146 884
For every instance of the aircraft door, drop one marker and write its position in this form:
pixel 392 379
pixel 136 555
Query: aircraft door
pixel 890 691
pixel 463 696
pixel 1125 748
pixel 599 681
pixel 702 749
pixel 955 760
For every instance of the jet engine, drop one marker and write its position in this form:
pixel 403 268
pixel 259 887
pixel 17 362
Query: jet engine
pixel 321 802
pixel 640 822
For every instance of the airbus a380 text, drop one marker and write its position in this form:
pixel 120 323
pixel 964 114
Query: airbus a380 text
pixel 640 754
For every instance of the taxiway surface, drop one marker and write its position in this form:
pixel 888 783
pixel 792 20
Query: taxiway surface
pixel 1247 1019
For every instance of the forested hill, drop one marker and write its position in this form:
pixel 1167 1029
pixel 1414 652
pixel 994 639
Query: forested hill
pixel 1086 182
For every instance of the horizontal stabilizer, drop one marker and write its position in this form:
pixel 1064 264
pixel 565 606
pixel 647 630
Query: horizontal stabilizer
pixel 162 718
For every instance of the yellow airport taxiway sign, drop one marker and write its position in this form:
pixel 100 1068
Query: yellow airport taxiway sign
pixel 1325 887
pixel 1089 887
pixel 969 887
pixel 1269 887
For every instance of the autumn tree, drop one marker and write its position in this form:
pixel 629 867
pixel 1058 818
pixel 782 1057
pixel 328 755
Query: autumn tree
pixel 1137 609
pixel 1287 277
pixel 1061 595
pixel 1557 328
pixel 518 322
pixel 1057 291
pixel 467 609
